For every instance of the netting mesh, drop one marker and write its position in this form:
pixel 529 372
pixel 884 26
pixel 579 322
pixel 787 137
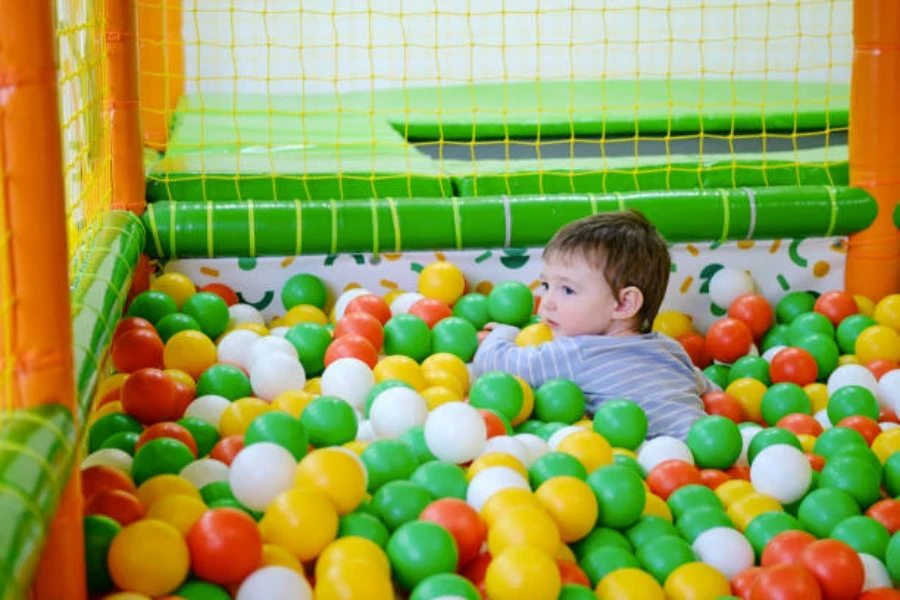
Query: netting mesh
pixel 377 97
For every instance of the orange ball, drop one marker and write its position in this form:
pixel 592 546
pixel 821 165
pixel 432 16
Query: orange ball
pixel 150 396
pixel 361 324
pixel 371 304
pixel 225 545
pixel 430 310
pixel 352 346
pixel 137 348
pixel 118 505
pixel 169 430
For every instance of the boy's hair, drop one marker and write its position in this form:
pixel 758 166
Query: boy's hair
pixel 627 248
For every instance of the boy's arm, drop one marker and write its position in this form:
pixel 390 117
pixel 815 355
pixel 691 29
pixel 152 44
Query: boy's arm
pixel 704 383
pixel 498 352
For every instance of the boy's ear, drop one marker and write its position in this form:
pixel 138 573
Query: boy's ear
pixel 631 299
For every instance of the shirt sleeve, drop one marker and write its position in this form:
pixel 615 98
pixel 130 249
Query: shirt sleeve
pixel 704 383
pixel 534 364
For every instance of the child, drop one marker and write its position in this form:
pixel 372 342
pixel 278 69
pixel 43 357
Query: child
pixel 604 279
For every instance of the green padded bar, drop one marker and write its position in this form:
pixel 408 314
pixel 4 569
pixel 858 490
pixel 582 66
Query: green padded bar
pixel 393 225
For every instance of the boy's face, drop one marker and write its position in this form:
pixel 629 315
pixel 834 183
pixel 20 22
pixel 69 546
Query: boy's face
pixel 577 300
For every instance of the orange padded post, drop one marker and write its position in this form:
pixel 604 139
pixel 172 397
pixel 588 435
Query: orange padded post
pixel 873 261
pixel 36 216
pixel 162 67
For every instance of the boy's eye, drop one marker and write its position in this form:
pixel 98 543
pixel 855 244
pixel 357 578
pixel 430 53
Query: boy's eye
pixel 569 291
pixel 544 286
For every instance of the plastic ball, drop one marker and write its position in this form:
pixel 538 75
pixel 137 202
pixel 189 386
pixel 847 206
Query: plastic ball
pixel 329 421
pixel 370 304
pixel 349 379
pixel 259 473
pixel 489 482
pixel 782 472
pixel 443 281
pixel 209 311
pixel 837 568
pixel 571 504
pixel 304 288
pixel 864 534
pixel 456 336
pixel 524 526
pixel 522 571
pixel 225 546
pixel 755 311
pixel 420 549
pixel 822 509
pixel 511 303
pixel 445 586
pixel 629 583
pixel 728 339
pixel 794 304
pixel 179 510
pixel 836 305
pixel 794 365
pixel 673 324
pixel 878 342
pixel 468 529
pixel 303 521
pixel 274 583
pixel 278 428
pixel 535 335
pixel 660 449
pixel 854 476
pixel 622 422
pixel 849 329
pixel 150 557
pixel 473 308
pixel 620 495
pixel 335 474
pixel 152 305
pixel 715 442
pixel 662 555
pixel 851 375
pixel 728 284
pixel 407 335
pixel 693 580
pixel 401 303
pixel 234 347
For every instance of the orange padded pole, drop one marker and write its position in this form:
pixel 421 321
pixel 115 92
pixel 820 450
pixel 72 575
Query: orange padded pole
pixel 123 107
pixel 162 66
pixel 873 260
pixel 41 318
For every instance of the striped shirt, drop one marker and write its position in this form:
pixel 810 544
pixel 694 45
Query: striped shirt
pixel 651 369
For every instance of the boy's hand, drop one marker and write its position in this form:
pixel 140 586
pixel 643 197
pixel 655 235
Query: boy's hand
pixel 491 326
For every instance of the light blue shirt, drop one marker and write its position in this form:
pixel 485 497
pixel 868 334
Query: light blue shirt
pixel 651 369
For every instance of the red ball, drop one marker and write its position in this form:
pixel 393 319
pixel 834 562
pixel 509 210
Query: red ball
pixel 738 472
pixel 136 349
pixel 886 415
pixel 743 582
pixel 169 430
pixel 728 339
pixel 129 323
pixel 494 424
pixel 754 311
pixel 352 346
pixel 669 475
pixel 476 570
pixel 184 394
pixel 724 405
pixel 571 574
pixel 222 291
pixel 371 304
pixel 227 448
pixel 695 346
pixel 785 548
pixel 793 365
pixel 120 506
pixel 713 478
pixel 101 478
pixel 886 512
pixel 837 305
pixel 361 324
pixel 880 594
pixel 815 461
pixel 149 395
pixel 464 524
pixel 785 582
pixel 225 546
pixel 430 310
pixel 867 427
pixel 837 567
pixel 799 423
pixel 880 366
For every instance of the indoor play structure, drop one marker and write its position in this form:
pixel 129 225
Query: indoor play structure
pixel 248 246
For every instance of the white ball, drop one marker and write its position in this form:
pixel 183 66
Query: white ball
pixel 490 481
pixel 889 390
pixel 204 471
pixel 275 583
pixel 109 457
pixel 275 374
pixel 396 410
pixel 455 432
pixel 562 433
pixel 536 446
pixel 261 471
pixel 822 418
pixel 769 354
pixel 340 305
pixel 208 408
pixel 280 331
pixel 239 314
pixel 782 472
pixel 729 283
pixel 234 347
pixel 403 302
pixel 266 346
pixel 349 379
pixel 876 574
pixel 747 435
pixel 885 425
pixel 724 549
pixel 852 375
pixel 509 445
pixel 365 432
pixel 661 449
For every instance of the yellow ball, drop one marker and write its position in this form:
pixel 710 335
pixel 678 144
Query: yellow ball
pixel 450 363
pixel 445 379
pixel 807 442
pixel 495 459
pixel 336 474
pixel 527 402
pixel 302 521
pixel 181 377
pixel 818 396
pixel 392 295
pixel 179 511
pixel 150 557
pixel 733 490
pixel 304 313
pixel 113 382
pixel 751 506
pixel 504 501
pixel 292 402
pixel 238 415
pixel 352 579
pixel 353 548
pixel 864 304
pixel 534 335
pixel 277 322
pixel 313 386
pixel 400 367
pixel 624 452
pixel 276 556
pixel 522 572
pixel 886 443
pixel 848 359
pixel 107 409
pixel 524 525
pixel 673 324
pixel 629 584
pixel 657 507
pixel 565 553
pixel 176 285
pixel 571 503
pixel 887 311
pixel 878 341
pixel 749 393
pixel 589 447
pixel 696 580
pixel 442 280
pixel 189 351
pixel 437 395
pixel 256 328
pixel 356 446
pixel 163 486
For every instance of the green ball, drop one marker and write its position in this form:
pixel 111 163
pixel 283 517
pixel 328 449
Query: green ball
pixel 854 476
pixel 810 322
pixel 442 479
pixel 783 399
pixel 692 496
pixel 718 374
pixel 766 526
pixel 573 591
pixel 715 442
pixel 278 428
pixel 891 475
pixel 380 387
pixel 697 520
pixel 399 502
pixel 792 305
pixel 824 350
pixel 407 335
pixel 209 311
pixel 329 421
pixel 445 585
pixel 497 391
pixel 852 400
pixel 215 491
pixel 754 367
pixel 835 440
pixel 232 503
pixel 456 336
pixel 892 557
pixel 99 531
pixel 770 437
pixel 530 426
pixel 172 323
pixel 386 461
pixel 364 525
pixel 109 425
pixel 224 380
pixel 663 555
pixel 600 537
pixel 311 341
pixel 414 437
pixel 474 309
pixel 158 457
pixel 600 562
pixel 648 528
pixel 205 435
pixel 124 441
pixel 864 454
pixel 152 305
pixel 511 303
pixel 559 400
pixel 778 335
pixel 850 328
pixel 546 430
pixel 631 463
pixel 863 534
pixel 824 508
pixel 201 590
pixel 622 422
pixel 620 495
pixel 555 464
pixel 304 288
pixel 420 549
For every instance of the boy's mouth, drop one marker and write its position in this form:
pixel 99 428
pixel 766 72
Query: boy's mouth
pixel 551 323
